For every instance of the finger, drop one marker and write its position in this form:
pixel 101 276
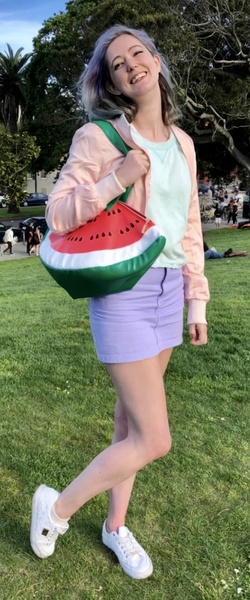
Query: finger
pixel 199 340
pixel 198 334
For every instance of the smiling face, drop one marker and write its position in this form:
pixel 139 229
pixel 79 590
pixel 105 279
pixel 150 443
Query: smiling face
pixel 134 71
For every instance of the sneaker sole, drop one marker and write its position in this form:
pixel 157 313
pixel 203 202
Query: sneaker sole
pixel 36 549
pixel 131 572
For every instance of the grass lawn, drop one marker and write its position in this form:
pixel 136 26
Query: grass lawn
pixel 190 510
pixel 25 211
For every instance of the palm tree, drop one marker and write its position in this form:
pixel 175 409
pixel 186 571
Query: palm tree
pixel 12 96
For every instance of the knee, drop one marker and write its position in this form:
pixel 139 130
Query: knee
pixel 159 446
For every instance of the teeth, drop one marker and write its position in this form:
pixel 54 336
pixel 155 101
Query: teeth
pixel 137 77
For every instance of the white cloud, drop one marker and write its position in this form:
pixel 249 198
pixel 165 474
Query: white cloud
pixel 19 34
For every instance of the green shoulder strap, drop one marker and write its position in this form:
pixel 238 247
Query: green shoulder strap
pixel 115 138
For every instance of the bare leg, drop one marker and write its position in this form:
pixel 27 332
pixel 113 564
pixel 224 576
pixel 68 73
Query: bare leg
pixel 120 494
pixel 141 391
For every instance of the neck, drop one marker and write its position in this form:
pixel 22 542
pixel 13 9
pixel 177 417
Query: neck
pixel 148 121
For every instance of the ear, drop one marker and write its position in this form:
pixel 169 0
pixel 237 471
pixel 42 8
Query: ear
pixel 110 88
pixel 157 61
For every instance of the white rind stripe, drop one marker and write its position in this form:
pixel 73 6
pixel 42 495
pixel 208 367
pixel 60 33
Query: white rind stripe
pixel 98 258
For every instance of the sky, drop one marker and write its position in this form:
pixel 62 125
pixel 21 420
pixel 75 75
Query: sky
pixel 20 21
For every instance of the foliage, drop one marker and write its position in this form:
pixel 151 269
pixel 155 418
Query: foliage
pixel 12 87
pixel 207 45
pixel 16 153
pixel 215 87
pixel 190 510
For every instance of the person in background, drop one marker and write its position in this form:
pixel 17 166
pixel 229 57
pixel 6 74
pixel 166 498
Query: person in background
pixel 8 239
pixel 35 240
pixel 28 236
pixel 230 210
pixel 217 214
pixel 235 212
pixel 128 83
pixel 212 252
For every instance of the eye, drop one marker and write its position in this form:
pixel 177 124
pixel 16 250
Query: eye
pixel 138 52
pixel 118 65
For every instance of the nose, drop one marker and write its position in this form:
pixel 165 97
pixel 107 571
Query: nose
pixel 131 63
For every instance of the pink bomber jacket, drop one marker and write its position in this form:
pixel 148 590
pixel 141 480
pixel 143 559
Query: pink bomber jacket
pixel 87 183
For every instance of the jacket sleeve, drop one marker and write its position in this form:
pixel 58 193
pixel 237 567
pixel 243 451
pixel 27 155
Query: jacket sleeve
pixel 196 289
pixel 87 181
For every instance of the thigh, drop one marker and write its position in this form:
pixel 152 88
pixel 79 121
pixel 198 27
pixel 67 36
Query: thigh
pixel 141 394
pixel 163 358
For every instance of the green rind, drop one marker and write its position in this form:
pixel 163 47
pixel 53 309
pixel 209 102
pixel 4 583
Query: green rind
pixel 101 281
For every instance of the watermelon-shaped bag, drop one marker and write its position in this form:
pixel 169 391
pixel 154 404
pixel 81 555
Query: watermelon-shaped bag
pixel 109 253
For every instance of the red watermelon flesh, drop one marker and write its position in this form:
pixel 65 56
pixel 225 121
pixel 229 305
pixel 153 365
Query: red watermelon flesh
pixel 99 235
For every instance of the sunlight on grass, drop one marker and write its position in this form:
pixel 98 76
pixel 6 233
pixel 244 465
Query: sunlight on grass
pixel 190 510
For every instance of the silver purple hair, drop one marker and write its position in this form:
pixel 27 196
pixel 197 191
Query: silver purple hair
pixel 93 89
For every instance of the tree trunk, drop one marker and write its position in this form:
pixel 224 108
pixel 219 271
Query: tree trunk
pixel 12 115
pixel 13 208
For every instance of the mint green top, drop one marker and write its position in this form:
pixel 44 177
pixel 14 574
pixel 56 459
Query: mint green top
pixel 170 188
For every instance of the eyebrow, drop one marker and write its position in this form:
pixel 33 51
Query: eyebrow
pixel 131 48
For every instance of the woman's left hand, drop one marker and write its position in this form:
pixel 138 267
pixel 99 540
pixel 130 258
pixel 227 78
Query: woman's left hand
pixel 198 334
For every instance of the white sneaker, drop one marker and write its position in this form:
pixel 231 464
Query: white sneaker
pixel 132 558
pixel 44 532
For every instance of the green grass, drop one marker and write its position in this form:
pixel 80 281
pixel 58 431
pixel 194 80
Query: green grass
pixel 25 211
pixel 190 509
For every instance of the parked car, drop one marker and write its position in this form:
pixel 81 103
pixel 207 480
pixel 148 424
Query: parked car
pixel 40 221
pixel 37 199
pixel 3 202
pixel 17 232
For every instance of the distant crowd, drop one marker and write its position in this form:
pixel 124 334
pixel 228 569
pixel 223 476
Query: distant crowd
pixel 222 204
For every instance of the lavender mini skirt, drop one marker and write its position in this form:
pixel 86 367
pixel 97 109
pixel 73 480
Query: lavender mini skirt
pixel 139 324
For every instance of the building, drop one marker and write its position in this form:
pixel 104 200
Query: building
pixel 41 182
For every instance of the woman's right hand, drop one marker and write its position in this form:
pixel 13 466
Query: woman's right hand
pixel 135 164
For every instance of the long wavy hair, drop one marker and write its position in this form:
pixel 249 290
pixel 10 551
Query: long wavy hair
pixel 94 84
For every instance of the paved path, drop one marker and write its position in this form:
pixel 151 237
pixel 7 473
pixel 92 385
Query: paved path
pixel 19 248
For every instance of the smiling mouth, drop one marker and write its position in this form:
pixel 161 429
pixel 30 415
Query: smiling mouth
pixel 138 77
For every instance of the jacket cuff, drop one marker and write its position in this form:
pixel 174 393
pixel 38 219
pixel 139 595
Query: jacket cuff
pixel 109 188
pixel 196 311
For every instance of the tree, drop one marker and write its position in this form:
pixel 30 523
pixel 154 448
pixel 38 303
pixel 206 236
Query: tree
pixel 214 85
pixel 16 153
pixel 12 94
pixel 207 45
pixel 61 49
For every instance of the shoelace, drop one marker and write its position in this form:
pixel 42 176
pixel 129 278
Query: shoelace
pixel 129 546
pixel 51 536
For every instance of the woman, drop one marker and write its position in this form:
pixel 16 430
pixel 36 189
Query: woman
pixel 127 81
pixel 35 240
